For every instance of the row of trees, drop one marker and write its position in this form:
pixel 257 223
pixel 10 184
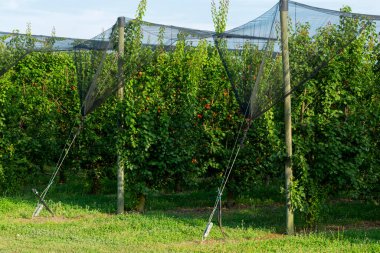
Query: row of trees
pixel 337 115
pixel 180 119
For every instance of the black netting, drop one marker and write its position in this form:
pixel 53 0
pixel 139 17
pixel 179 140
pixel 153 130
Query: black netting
pixel 250 53
pixel 249 57
pixel 96 64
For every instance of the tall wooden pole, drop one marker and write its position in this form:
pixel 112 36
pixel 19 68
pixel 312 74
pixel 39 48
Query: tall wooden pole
pixel 287 114
pixel 120 95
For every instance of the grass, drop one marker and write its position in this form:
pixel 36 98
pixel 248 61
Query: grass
pixel 175 223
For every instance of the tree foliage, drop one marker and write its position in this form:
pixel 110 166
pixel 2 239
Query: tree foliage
pixel 335 148
pixel 180 119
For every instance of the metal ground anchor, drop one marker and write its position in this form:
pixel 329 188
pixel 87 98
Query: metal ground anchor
pixel 41 204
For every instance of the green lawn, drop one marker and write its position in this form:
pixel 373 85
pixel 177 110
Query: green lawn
pixel 175 222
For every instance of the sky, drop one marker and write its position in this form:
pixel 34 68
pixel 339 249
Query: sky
pixel 87 18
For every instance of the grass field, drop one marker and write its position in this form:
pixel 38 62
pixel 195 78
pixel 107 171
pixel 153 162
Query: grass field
pixel 175 223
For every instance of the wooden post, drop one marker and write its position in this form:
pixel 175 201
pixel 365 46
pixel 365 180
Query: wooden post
pixel 120 95
pixel 287 114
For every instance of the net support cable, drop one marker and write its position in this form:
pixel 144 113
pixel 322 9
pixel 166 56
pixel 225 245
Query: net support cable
pixel 90 99
pixel 237 146
pixel 65 151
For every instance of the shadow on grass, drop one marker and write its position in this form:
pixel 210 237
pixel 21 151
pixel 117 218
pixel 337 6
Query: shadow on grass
pixel 193 208
pixel 265 211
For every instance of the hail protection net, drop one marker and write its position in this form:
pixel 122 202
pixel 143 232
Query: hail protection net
pixel 100 73
pixel 15 46
pixel 88 55
pixel 97 61
pixel 251 53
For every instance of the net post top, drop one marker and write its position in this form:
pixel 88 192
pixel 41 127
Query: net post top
pixel 284 5
pixel 121 21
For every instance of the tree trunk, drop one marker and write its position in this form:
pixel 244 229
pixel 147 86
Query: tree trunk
pixel 95 181
pixel 62 176
pixel 178 185
pixel 230 199
pixel 141 204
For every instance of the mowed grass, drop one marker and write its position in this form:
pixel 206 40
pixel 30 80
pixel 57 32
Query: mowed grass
pixel 175 223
